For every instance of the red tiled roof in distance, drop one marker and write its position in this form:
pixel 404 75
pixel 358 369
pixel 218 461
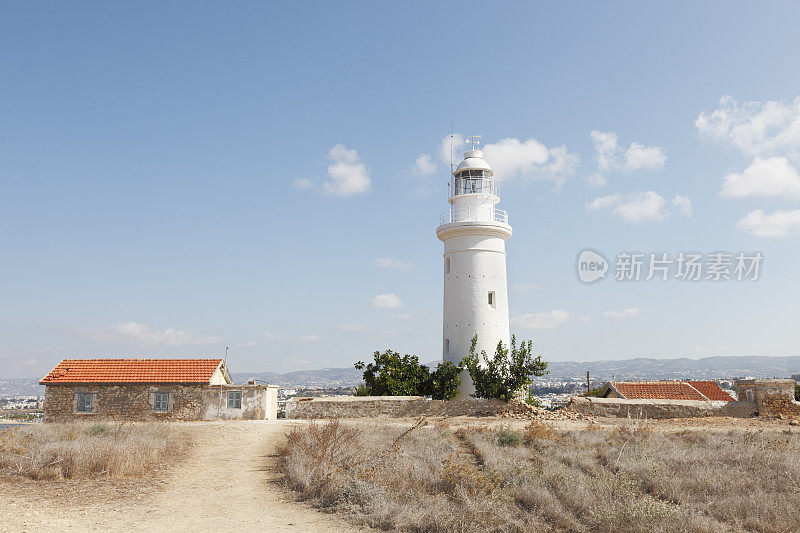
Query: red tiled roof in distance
pixel 711 390
pixel 657 390
pixel 132 371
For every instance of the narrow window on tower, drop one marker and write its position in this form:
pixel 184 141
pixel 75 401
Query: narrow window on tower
pixel 446 348
pixel 447 265
pixel 491 299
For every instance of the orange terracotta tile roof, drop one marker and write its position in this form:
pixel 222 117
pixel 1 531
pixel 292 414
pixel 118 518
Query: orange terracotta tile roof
pixel 657 390
pixel 132 371
pixel 711 390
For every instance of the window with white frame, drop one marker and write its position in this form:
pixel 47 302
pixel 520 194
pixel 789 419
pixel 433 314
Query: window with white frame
pixel 492 299
pixel 446 346
pixel 85 402
pixel 161 401
pixel 234 399
pixel 447 265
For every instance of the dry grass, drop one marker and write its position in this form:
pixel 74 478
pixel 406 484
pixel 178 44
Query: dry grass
pixel 74 451
pixel 629 479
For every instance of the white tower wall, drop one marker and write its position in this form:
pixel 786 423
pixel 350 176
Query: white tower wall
pixel 474 234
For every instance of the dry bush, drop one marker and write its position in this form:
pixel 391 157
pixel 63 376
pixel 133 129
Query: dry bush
pixel 71 451
pixel 627 479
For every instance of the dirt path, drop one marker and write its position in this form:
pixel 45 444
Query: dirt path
pixel 227 484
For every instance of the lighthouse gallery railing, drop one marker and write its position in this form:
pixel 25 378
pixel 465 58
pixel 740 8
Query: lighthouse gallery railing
pixel 474 214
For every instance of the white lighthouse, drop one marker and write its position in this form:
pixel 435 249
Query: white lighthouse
pixel 474 234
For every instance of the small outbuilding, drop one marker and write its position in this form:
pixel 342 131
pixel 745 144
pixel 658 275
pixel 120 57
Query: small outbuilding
pixel 152 389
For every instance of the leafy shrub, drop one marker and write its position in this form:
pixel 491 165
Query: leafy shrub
pixel 797 392
pixel 506 373
pixel 393 374
pixel 506 437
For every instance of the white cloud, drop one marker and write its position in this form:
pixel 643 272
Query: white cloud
pixel 144 334
pixel 386 262
pixel 347 175
pixel 352 328
pixel 610 156
pixel 538 321
pixel 458 144
pixel 638 157
pixel 631 312
pixel 596 180
pixel 585 319
pixel 404 316
pixel 282 337
pixel 387 301
pixel 764 177
pixel 772 225
pixel 425 165
pixel 605 150
pixel 302 183
pixel 634 207
pixel 752 127
pixel 683 204
pixel 511 158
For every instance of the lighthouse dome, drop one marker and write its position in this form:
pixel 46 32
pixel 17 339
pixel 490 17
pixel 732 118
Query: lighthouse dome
pixel 473 160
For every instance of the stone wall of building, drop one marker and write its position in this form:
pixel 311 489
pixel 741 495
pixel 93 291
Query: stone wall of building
pixel 623 408
pixel 259 402
pixel 122 402
pixel 134 402
pixel 773 397
pixel 394 406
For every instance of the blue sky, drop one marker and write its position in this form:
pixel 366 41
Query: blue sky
pixel 182 177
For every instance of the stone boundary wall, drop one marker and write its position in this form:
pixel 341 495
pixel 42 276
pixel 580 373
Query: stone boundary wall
pixel 391 407
pixel 623 408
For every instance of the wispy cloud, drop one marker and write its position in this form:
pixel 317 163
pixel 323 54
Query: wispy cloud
pixel 755 128
pixel 774 176
pixel 386 262
pixel 283 337
pixel 611 157
pixel 352 328
pixel 539 321
pixel 347 175
pixel 640 207
pixel 387 301
pixel 136 332
pixel 771 225
pixel 630 312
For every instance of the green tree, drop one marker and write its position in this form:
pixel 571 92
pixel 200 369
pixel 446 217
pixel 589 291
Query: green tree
pixel 444 381
pixel 393 374
pixel 506 373
pixel 797 392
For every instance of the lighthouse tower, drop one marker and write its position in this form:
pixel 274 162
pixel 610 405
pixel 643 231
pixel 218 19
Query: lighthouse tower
pixel 474 234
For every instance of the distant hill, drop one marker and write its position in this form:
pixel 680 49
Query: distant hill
pixel 632 369
pixel 704 368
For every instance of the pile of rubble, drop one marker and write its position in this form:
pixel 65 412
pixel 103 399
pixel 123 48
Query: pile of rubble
pixel 523 411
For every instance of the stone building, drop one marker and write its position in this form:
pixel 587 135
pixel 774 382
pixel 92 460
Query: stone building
pixel 152 389
pixel 773 397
